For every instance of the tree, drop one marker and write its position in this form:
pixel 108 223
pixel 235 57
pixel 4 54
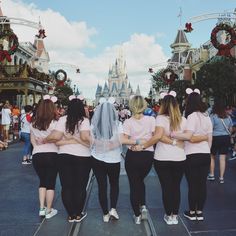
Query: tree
pixel 217 79
pixel 63 92
pixel 157 81
pixel 180 86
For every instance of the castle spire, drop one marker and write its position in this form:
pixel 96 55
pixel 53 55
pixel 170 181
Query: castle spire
pixel 1 14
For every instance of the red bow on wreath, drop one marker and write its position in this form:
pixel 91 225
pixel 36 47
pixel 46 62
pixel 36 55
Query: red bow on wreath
pixel 5 55
pixel 60 83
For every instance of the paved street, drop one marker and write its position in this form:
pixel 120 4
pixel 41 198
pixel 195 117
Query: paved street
pixel 19 206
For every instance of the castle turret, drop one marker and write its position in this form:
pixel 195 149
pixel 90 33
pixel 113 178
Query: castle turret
pixel 181 54
pixel 105 90
pixel 180 47
pixel 138 91
pixel 1 14
pixel 41 58
pixel 98 90
pixel 114 90
pixel 122 90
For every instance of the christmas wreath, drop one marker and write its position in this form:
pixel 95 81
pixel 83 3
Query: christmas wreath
pixel 169 76
pixel 223 49
pixel 13 41
pixel 60 82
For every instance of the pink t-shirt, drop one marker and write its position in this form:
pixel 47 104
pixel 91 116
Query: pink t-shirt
pixel 200 124
pixel 47 147
pixel 140 129
pixel 74 149
pixel 169 152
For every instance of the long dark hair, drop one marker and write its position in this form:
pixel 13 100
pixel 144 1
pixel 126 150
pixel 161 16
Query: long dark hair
pixel 219 109
pixel 45 113
pixel 75 115
pixel 194 103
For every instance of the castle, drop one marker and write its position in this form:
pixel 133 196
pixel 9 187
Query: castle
pixel 117 85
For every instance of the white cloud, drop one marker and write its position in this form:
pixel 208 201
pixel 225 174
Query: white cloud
pixel 60 32
pixel 66 39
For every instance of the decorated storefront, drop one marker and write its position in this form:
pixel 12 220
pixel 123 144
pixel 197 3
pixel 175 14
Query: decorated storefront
pixel 22 82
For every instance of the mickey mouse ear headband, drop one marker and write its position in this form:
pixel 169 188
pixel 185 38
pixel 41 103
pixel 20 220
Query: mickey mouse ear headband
pixel 189 91
pixel 80 97
pixel 48 97
pixel 171 93
pixel 110 100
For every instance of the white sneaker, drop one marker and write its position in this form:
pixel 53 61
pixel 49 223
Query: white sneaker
pixel 106 218
pixel 137 220
pixel 168 219
pixel 50 214
pixel 175 220
pixel 144 212
pixel 113 213
pixel 42 211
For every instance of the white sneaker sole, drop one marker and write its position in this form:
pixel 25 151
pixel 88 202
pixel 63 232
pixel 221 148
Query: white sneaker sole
pixel 50 215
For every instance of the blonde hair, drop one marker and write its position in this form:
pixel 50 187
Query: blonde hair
pixel 170 107
pixel 137 105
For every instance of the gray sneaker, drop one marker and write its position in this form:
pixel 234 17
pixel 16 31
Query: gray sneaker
pixel 221 180
pixel 175 219
pixel 25 162
pixel 211 177
pixel 42 211
pixel 137 220
pixel 113 213
pixel 144 212
pixel 168 219
pixel 51 213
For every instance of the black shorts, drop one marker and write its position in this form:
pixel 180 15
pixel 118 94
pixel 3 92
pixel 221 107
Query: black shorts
pixel 220 144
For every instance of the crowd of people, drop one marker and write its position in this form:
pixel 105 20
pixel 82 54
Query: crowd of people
pixel 73 141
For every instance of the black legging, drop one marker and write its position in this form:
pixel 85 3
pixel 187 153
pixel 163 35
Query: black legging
pixel 74 175
pixel 170 174
pixel 46 167
pixel 197 168
pixel 102 170
pixel 137 166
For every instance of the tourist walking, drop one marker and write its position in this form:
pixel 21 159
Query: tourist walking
pixel 72 135
pixel 198 154
pixel 25 121
pixel 6 121
pixel 222 126
pixel 106 146
pixel 138 164
pixel 45 155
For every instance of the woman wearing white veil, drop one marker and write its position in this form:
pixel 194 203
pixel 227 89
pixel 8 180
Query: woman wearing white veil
pixel 106 149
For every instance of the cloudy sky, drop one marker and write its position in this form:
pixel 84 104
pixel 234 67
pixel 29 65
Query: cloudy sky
pixel 89 34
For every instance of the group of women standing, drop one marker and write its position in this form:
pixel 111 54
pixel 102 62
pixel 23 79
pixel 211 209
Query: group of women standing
pixel 173 158
pixel 71 144
pixel 62 146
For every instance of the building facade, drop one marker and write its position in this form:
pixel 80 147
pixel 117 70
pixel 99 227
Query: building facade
pixel 25 77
